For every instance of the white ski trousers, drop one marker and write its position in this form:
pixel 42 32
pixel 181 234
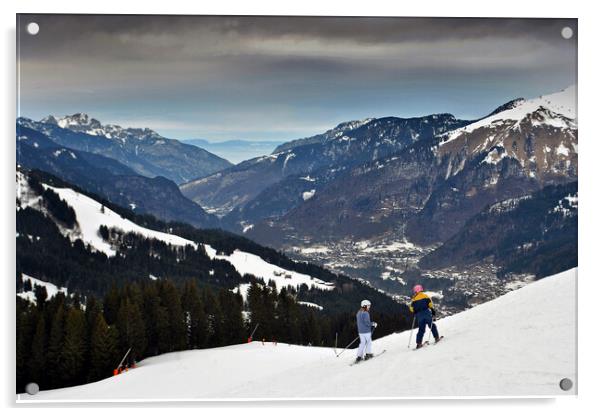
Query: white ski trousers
pixel 365 345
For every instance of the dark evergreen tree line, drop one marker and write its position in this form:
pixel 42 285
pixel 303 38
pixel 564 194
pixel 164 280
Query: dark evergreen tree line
pixel 60 343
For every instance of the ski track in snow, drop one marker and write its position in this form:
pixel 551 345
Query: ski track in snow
pixel 522 343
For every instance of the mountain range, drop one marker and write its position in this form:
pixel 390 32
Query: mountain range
pixel 141 149
pixel 427 175
pixel 110 178
pixel 346 197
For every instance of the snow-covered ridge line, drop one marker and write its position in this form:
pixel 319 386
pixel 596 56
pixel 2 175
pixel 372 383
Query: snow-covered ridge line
pixel 83 123
pixel 560 106
pixel 91 214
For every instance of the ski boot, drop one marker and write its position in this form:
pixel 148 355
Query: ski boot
pixel 368 356
pixel 438 338
pixel 418 346
pixel 358 359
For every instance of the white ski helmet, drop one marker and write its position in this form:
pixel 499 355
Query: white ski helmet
pixel 365 303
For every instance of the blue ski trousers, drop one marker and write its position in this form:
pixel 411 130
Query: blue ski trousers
pixel 422 323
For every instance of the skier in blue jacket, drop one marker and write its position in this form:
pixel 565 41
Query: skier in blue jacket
pixel 423 310
pixel 364 328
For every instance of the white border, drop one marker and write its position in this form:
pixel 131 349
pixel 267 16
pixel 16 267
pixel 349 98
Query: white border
pixel 589 175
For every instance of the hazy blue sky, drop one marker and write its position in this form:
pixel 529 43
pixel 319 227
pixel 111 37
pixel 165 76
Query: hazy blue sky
pixel 281 78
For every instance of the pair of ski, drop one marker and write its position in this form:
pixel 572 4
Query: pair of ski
pixel 425 343
pixel 373 357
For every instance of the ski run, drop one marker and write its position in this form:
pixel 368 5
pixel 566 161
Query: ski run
pixel 520 344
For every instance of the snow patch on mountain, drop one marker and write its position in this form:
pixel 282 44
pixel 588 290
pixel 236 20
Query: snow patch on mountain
pixel 495 156
pixel 507 204
pixel 310 304
pixel 245 262
pixel 308 194
pixel 567 206
pixel 51 290
pixel 562 150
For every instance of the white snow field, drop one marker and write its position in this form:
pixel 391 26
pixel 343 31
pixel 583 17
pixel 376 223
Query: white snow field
pixel 521 344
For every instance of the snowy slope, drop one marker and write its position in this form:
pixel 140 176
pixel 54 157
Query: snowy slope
pixel 90 216
pixel 245 262
pixel 522 343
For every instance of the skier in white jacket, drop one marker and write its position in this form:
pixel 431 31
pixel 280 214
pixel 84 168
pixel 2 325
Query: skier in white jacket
pixel 364 328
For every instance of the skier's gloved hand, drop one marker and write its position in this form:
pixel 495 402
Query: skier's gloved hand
pixel 374 324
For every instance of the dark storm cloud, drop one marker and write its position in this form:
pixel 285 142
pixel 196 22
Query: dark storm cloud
pixel 201 74
pixel 359 29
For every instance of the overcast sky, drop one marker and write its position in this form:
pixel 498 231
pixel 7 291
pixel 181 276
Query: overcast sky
pixel 281 78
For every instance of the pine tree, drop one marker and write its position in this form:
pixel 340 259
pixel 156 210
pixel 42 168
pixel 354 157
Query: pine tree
pixel 37 360
pixel 233 325
pixel 41 295
pixel 55 346
pixel 150 309
pixel 26 323
pixel 196 319
pixel 287 313
pixel 163 329
pixel 131 329
pixel 270 298
pixel 111 305
pixel 103 353
pixel 74 347
pixel 215 319
pixel 27 286
pixel 170 299
pixel 312 330
pixel 257 310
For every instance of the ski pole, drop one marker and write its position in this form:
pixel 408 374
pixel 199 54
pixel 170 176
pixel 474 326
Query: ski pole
pixel 349 345
pixel 336 339
pixel 411 331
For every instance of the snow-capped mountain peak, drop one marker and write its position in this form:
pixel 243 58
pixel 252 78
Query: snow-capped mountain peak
pixel 540 134
pixel 83 123
pixel 74 120
pixel 560 106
